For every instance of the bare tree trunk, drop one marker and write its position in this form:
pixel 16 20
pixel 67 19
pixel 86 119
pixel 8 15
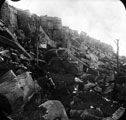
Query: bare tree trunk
pixel 118 69
pixel 117 56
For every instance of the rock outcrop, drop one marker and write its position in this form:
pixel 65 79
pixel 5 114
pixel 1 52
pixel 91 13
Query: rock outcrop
pixel 74 68
pixel 51 28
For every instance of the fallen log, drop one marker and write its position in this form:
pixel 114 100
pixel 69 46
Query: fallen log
pixel 14 44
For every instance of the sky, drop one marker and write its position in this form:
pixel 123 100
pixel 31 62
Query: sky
pixel 104 20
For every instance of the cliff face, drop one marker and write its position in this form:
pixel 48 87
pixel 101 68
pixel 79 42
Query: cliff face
pixel 9 16
pixel 50 30
pixel 58 58
pixel 37 32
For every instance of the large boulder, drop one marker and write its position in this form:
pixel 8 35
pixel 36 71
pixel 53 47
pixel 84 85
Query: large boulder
pixel 30 110
pixel 51 22
pixel 71 63
pixel 56 35
pixel 43 21
pixel 45 39
pixel 14 87
pixel 23 17
pixel 55 110
pixel 49 110
pixel 64 62
pixel 8 14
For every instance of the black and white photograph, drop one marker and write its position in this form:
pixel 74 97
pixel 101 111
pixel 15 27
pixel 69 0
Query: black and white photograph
pixel 62 60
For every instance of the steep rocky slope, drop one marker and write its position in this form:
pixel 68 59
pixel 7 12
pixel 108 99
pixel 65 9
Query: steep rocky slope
pixel 76 69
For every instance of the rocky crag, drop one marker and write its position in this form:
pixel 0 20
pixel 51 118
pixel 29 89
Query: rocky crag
pixel 55 33
pixel 76 69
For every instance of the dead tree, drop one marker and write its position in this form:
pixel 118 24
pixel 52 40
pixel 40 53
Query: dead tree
pixel 117 70
pixel 118 67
